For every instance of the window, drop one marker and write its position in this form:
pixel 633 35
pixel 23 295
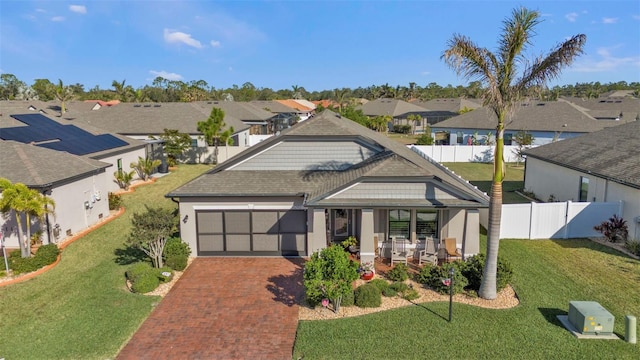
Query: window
pixel 399 223
pixel 459 137
pixel 426 223
pixel 584 188
pixel 508 139
pixel 119 165
pixel 194 143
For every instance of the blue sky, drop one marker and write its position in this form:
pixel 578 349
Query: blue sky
pixel 276 44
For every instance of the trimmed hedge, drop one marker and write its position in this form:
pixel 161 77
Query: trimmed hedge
pixel 145 278
pixel 348 299
pixel 176 253
pixel 400 272
pixel 46 254
pixel 474 267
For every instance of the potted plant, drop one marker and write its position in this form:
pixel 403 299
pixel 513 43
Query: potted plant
pixel 367 270
pixel 350 244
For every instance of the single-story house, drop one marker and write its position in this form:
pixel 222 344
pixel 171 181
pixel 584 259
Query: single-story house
pixel 259 120
pixel 25 123
pixel 547 121
pixel 319 182
pixel 285 115
pixel 612 107
pixel 444 108
pixel 397 109
pixel 602 166
pixel 79 186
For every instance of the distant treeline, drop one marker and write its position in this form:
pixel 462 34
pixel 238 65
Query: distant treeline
pixel 164 90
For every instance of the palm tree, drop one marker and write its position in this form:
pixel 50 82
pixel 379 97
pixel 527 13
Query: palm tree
pixel 63 94
pixel 213 130
pixel 22 200
pixel 144 167
pixel 505 85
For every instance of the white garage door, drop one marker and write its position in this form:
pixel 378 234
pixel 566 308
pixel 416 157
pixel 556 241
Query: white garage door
pixel 247 233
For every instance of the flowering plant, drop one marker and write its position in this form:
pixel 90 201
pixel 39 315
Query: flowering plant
pixel 367 267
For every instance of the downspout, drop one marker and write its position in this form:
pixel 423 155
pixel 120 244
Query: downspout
pixel 46 214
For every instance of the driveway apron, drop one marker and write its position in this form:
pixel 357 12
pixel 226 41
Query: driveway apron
pixel 225 308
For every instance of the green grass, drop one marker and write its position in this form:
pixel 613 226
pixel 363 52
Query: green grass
pixel 547 275
pixel 81 308
pixel 480 175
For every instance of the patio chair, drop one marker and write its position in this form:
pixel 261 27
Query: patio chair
pixel 399 253
pixel 451 248
pixel 430 254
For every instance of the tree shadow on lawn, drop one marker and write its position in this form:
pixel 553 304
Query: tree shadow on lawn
pixel 551 315
pixel 129 255
pixel 288 288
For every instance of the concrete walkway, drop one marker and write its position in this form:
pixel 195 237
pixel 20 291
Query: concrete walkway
pixel 225 308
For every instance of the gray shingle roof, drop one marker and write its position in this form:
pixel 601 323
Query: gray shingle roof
pixel 39 167
pixel 453 105
pixel 393 107
pixel 610 153
pixel 394 161
pixel 272 106
pixel 145 119
pixel 532 116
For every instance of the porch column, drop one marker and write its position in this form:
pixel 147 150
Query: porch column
pixel 367 251
pixel 318 231
pixel 471 243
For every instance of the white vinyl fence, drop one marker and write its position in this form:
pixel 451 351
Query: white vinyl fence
pixel 465 153
pixel 557 220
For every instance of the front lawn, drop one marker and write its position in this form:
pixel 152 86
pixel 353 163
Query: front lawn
pixel 547 275
pixel 481 175
pixel 81 308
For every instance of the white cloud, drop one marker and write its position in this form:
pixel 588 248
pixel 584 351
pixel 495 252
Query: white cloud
pixel 609 20
pixel 80 9
pixel 173 37
pixel 57 18
pixel 572 17
pixel 636 17
pixel 41 10
pixel 606 61
pixel 215 43
pixel 166 75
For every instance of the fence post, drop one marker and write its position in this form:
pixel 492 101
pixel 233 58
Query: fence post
pixel 531 205
pixel 566 219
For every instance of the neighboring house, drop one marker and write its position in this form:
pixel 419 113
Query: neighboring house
pixel 398 110
pixel 603 166
pixel 24 123
pixel 303 111
pixel 611 108
pixel 79 186
pixel 443 109
pixel 547 121
pixel 141 121
pixel 285 116
pixel 319 182
pixel 260 121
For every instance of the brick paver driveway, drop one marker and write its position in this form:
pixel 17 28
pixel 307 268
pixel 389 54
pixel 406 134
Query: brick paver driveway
pixel 225 308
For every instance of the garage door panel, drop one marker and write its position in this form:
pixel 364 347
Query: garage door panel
pixel 292 242
pixel 265 242
pixel 293 221
pixel 210 243
pixel 209 222
pixel 265 222
pixel 237 222
pixel 239 242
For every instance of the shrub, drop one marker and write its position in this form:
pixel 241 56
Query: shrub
pixel 410 294
pixel 381 284
pixel 439 273
pixel 473 268
pixel 146 282
pixel 136 270
pixel 329 274
pixel 161 274
pixel 424 276
pixel 400 272
pixel 46 254
pixel 633 246
pixel 176 253
pixel 399 286
pixel 348 299
pixel 402 129
pixel 115 201
pixel 424 139
pixel 368 295
pixel 389 292
pixel 615 229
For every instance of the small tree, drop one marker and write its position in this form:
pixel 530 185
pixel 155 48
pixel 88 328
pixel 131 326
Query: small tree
pixel 615 229
pixel 123 178
pixel 329 274
pixel 175 144
pixel 213 130
pixel 524 139
pixel 150 231
pixel 144 167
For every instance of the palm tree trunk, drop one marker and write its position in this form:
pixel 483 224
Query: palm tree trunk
pixel 488 284
pixel 24 252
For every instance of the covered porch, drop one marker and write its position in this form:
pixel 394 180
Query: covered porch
pixel 411 226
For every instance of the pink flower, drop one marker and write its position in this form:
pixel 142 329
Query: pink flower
pixel 325 302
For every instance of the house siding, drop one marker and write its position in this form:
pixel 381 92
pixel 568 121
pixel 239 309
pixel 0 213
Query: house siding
pixel 380 190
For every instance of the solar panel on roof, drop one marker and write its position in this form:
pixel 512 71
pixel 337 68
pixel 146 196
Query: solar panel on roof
pixel 71 138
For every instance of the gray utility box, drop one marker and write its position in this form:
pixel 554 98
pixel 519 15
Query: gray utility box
pixel 590 318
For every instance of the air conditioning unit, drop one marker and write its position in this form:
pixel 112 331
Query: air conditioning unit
pixel 590 318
